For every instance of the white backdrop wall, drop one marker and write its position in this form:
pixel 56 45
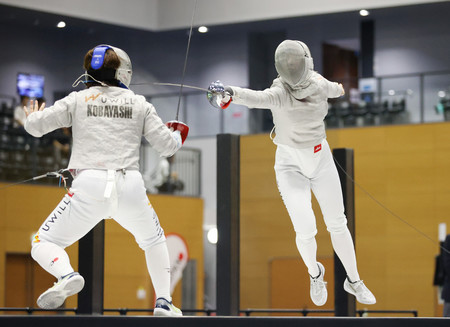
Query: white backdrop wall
pixel 174 14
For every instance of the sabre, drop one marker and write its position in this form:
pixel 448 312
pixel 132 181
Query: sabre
pixel 183 85
pixel 185 60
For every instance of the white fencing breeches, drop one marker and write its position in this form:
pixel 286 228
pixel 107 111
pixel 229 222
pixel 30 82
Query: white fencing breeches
pixel 300 171
pixel 96 195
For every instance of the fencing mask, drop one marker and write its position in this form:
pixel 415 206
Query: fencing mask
pixel 293 63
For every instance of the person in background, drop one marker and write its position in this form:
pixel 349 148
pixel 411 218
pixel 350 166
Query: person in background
pixel 164 179
pixel 61 146
pixel 19 121
pixel 446 287
pixel 19 112
pixel 158 176
pixel 57 143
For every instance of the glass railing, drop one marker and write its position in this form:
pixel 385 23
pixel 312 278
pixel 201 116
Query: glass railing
pixel 396 99
pixel 399 99
pixel 177 175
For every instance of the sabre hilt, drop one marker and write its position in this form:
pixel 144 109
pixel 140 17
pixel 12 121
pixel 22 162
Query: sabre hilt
pixel 218 95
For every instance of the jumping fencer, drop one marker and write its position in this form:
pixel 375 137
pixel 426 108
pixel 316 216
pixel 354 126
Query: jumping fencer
pixel 108 121
pixel 303 161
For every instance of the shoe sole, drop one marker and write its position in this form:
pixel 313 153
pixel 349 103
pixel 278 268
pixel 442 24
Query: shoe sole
pixel 165 313
pixel 53 299
pixel 324 300
pixel 348 289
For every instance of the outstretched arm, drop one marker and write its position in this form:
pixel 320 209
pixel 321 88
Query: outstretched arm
pixel 220 96
pixel 266 99
pixel 335 90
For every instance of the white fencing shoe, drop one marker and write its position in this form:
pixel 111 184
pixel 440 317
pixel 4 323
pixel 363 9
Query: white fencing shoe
pixel 358 289
pixel 55 296
pixel 318 288
pixel 166 308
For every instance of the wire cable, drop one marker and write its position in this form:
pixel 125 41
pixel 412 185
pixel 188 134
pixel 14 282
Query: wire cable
pixel 389 210
pixel 52 174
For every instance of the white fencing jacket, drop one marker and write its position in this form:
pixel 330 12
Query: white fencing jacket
pixel 107 126
pixel 298 114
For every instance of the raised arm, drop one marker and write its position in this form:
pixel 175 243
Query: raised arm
pixel 41 120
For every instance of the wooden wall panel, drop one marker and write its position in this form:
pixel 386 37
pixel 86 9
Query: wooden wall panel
pixel 24 208
pixel 292 269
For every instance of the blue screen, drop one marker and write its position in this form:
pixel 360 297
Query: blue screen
pixel 30 85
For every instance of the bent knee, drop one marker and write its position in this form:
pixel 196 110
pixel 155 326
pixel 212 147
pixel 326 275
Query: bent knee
pixel 151 241
pixel 305 238
pixel 337 225
pixel 35 239
pixel 35 242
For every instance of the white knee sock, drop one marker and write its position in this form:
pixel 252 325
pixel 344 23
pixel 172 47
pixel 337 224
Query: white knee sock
pixel 158 265
pixel 308 252
pixel 52 258
pixel 345 250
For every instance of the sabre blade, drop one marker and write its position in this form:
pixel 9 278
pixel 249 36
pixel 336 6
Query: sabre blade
pixel 183 85
pixel 185 59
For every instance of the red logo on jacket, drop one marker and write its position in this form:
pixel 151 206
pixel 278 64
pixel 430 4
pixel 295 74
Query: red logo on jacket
pixel 317 148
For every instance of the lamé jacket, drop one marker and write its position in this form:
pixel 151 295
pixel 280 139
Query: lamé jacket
pixel 107 125
pixel 298 114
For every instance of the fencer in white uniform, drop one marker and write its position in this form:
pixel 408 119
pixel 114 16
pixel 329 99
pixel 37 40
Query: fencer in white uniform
pixel 108 121
pixel 303 161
